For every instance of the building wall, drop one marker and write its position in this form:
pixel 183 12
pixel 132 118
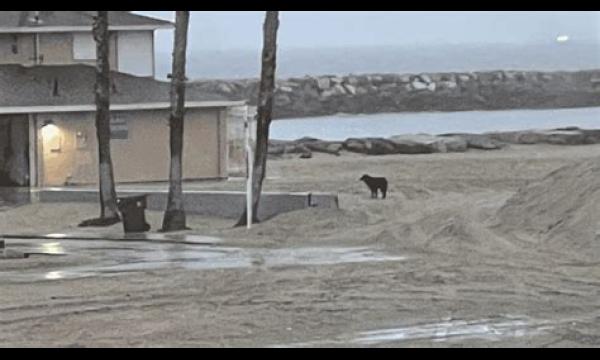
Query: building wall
pixel 16 49
pixel 55 49
pixel 69 150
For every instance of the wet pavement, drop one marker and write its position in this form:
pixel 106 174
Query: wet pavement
pixel 110 258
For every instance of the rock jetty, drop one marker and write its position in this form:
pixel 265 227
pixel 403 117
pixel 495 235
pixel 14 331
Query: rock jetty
pixel 380 93
pixel 430 144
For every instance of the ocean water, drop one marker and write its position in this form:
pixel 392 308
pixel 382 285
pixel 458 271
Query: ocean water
pixel 298 62
pixel 341 127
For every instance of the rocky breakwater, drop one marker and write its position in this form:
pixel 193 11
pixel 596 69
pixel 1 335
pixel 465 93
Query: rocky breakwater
pixel 379 93
pixel 430 144
pixel 401 144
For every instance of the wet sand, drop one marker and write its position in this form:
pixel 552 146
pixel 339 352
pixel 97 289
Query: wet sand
pixel 451 258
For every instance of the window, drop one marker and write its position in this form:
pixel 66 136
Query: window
pixel 118 128
pixel 84 46
pixel 136 52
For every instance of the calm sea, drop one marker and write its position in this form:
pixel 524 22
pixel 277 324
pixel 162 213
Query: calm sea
pixel 341 127
pixel 297 62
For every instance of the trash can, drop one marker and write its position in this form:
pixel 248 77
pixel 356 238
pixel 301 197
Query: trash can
pixel 133 215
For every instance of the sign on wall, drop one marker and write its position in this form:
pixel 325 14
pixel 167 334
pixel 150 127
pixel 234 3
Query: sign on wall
pixel 118 128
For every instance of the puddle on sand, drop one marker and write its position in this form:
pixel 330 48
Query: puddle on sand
pixel 130 257
pixel 157 237
pixel 487 329
pixel 449 330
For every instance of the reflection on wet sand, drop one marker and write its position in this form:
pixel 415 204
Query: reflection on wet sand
pixel 447 330
pixel 112 258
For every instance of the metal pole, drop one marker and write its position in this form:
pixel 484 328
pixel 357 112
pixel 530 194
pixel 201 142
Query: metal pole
pixel 249 170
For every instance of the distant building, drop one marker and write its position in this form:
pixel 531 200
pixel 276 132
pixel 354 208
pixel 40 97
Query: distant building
pixel 47 108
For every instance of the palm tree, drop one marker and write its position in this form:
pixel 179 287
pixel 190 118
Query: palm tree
pixel 108 197
pixel 264 111
pixel 174 218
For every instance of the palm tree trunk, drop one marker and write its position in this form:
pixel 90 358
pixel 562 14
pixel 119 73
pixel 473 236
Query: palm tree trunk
pixel 174 218
pixel 108 195
pixel 264 111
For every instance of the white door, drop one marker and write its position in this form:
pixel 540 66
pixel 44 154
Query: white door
pixel 135 53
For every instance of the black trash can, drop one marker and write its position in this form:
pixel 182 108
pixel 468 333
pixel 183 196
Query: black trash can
pixel 133 215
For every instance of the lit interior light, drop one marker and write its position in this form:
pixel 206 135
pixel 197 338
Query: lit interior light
pixel 562 38
pixel 49 130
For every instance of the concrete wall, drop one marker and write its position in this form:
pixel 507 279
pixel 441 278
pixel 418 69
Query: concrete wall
pixel 68 150
pixel 229 205
pixel 16 49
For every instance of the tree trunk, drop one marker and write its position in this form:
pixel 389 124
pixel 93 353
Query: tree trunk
pixel 264 111
pixel 108 195
pixel 174 218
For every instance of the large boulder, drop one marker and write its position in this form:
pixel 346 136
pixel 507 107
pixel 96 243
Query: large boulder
pixel 426 78
pixel 451 85
pixel 564 136
pixel 419 86
pixel 323 83
pixel 454 143
pixel 281 147
pixel 431 143
pixel 338 89
pixel 316 145
pixel 225 88
pixel 380 146
pixel 406 146
pixel 371 146
pixel 477 141
pixel 282 100
pixel 355 145
pixel 350 89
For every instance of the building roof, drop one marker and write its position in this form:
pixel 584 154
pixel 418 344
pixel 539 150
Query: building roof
pixel 58 87
pixel 64 21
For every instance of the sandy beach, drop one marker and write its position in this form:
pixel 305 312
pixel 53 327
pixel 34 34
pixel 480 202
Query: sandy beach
pixel 483 249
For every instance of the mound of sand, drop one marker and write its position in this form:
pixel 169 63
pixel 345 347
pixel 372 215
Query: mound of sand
pixel 560 212
pixel 311 225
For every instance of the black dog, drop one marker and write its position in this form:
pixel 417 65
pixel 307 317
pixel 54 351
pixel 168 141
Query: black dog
pixel 375 184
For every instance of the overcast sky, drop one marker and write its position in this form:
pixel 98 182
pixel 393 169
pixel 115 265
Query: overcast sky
pixel 222 30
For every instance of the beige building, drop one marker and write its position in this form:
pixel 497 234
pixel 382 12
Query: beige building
pixel 47 112
pixel 65 37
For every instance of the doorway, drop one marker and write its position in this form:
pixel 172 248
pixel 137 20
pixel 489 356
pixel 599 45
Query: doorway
pixel 14 151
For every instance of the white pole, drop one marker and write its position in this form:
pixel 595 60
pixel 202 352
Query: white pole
pixel 249 171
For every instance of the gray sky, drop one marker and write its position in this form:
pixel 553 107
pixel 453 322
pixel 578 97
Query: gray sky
pixel 222 30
